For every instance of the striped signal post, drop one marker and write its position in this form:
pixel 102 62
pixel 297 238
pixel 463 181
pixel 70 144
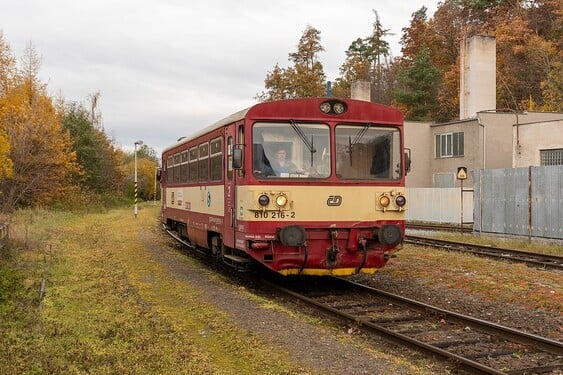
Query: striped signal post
pixel 155 173
pixel 135 210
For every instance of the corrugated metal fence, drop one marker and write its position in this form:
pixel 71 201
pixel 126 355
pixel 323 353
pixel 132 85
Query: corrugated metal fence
pixel 520 201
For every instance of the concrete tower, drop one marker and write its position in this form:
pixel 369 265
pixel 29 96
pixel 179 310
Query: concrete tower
pixel 478 76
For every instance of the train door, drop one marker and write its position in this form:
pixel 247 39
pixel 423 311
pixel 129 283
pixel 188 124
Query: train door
pixel 230 199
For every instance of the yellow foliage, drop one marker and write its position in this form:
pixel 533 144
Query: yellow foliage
pixel 41 155
pixel 5 161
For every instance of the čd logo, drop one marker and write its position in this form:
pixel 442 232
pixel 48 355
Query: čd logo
pixel 334 200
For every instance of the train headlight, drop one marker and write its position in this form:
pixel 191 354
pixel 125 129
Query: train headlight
pixel 263 200
pixel 281 200
pixel 339 108
pixel 400 200
pixel 333 107
pixel 384 201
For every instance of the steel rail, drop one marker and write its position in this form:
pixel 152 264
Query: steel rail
pixel 550 345
pixel 547 345
pixel 467 364
pixel 439 227
pixel 530 258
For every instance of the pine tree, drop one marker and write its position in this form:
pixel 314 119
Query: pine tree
pixel 418 88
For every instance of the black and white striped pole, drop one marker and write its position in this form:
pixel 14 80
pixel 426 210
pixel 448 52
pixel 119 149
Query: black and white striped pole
pixel 135 210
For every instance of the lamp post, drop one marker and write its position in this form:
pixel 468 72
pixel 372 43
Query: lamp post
pixel 135 210
pixel 155 173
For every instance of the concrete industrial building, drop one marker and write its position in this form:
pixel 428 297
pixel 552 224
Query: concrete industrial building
pixel 484 137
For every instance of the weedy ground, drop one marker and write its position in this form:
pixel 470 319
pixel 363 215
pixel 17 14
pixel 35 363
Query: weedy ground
pixel 107 307
pixel 498 281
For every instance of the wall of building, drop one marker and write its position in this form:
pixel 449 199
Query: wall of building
pixel 498 138
pixel 529 139
pixel 500 143
pixel 446 168
pixel 419 139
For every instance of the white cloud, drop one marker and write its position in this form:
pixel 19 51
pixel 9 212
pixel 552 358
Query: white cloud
pixel 168 68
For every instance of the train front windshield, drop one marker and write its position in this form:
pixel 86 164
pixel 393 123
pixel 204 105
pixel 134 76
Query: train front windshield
pixel 368 152
pixel 297 150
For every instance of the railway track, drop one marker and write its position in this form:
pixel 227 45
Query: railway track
pixel 440 227
pixel 474 345
pixel 532 259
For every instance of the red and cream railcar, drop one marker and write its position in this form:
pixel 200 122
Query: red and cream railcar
pixel 337 209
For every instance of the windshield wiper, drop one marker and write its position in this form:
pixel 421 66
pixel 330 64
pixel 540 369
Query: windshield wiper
pixel 361 134
pixel 309 143
pixel 357 139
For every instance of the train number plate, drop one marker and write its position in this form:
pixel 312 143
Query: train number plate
pixel 274 215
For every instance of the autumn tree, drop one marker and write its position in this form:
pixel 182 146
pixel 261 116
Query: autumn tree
pixel 43 162
pixel 415 36
pixel 7 70
pixel 5 161
pixel 302 80
pixel 95 151
pixel 356 67
pixel 367 59
pixel 552 89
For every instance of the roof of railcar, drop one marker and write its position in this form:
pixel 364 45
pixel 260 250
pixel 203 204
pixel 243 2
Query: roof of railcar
pixel 227 120
pixel 268 109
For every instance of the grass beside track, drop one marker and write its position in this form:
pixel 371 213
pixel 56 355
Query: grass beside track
pixel 109 307
pixel 495 280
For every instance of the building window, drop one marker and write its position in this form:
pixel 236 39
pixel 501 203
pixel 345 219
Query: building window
pixel 552 157
pixel 449 144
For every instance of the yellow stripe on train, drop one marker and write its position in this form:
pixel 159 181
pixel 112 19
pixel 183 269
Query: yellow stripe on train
pixel 313 203
pixel 326 272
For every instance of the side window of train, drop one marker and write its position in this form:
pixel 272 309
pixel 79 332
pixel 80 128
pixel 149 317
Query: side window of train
pixel 216 159
pixel 203 164
pixel 193 164
pixel 176 168
pixel 169 164
pixel 184 167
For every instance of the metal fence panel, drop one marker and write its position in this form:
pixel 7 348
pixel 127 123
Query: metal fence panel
pixel 520 201
pixel 547 201
pixel 476 201
pixel 504 201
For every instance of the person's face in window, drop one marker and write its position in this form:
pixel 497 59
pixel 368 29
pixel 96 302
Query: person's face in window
pixel 280 155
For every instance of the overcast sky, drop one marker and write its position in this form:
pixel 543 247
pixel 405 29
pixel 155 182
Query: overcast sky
pixel 165 69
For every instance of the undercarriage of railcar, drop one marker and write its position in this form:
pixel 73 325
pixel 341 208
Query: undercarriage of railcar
pixel 296 250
